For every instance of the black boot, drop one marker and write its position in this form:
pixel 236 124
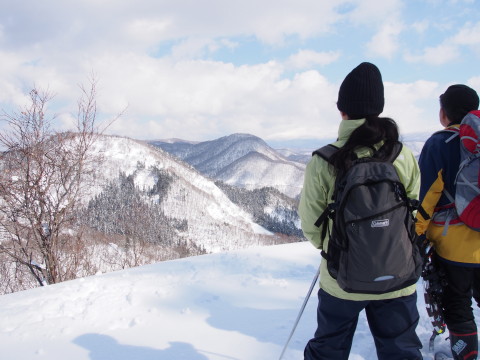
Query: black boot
pixel 464 346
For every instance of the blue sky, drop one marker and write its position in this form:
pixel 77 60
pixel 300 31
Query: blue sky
pixel 202 69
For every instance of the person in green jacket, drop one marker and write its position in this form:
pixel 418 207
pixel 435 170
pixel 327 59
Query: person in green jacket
pixel 392 316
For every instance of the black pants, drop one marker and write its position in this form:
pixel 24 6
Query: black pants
pixel 463 283
pixel 392 323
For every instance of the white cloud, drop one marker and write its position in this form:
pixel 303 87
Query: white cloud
pixel 148 22
pixel 272 20
pixel 369 12
pixel 155 57
pixel 421 26
pixel 384 16
pixel 439 55
pixel 475 83
pixel 147 31
pixel 469 35
pixel 307 58
pixel 194 48
pixel 450 48
pixel 413 105
pixel 385 42
pixel 462 1
pixel 199 99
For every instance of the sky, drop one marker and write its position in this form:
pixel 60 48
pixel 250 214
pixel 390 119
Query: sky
pixel 238 305
pixel 202 69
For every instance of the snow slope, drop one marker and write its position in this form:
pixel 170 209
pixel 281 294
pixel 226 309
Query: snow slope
pixel 238 305
pixel 214 222
pixel 286 177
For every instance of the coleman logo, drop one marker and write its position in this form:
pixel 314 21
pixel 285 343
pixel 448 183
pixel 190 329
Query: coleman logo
pixel 459 346
pixel 380 223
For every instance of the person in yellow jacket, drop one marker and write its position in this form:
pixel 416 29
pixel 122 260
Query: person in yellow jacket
pixel 392 316
pixel 457 247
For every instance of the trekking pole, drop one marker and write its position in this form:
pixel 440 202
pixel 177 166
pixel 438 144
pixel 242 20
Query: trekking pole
pixel 301 312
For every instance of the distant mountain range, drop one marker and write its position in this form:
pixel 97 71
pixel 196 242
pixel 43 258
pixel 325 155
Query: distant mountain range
pixel 241 160
pixel 192 207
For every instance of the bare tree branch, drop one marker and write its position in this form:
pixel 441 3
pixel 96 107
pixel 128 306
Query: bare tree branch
pixel 44 175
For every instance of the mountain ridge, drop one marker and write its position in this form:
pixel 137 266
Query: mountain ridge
pixel 238 159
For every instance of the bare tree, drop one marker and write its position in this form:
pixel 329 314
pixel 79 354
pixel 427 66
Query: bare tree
pixel 43 175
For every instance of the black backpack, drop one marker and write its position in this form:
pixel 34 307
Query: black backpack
pixel 373 245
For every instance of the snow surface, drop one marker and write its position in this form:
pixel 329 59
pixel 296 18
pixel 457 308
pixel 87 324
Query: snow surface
pixel 238 305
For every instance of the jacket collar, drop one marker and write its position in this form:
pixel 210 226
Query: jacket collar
pixel 347 127
pixel 453 126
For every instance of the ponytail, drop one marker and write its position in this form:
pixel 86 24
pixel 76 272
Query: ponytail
pixel 371 132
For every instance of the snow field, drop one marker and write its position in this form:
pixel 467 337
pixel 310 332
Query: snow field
pixel 238 305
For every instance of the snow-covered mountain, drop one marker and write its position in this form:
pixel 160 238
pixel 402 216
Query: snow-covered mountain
pixel 415 144
pixel 242 160
pixel 238 305
pixel 210 218
pixel 297 155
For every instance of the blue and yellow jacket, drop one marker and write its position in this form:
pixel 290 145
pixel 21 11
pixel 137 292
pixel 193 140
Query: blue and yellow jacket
pixel 439 162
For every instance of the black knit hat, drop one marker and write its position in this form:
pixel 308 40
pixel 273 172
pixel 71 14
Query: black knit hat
pixel 458 100
pixel 361 93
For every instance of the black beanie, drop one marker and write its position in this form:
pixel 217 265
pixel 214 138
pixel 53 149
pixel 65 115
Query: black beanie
pixel 458 101
pixel 361 93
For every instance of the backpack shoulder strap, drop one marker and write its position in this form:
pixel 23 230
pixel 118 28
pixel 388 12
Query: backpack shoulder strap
pixel 454 131
pixel 326 152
